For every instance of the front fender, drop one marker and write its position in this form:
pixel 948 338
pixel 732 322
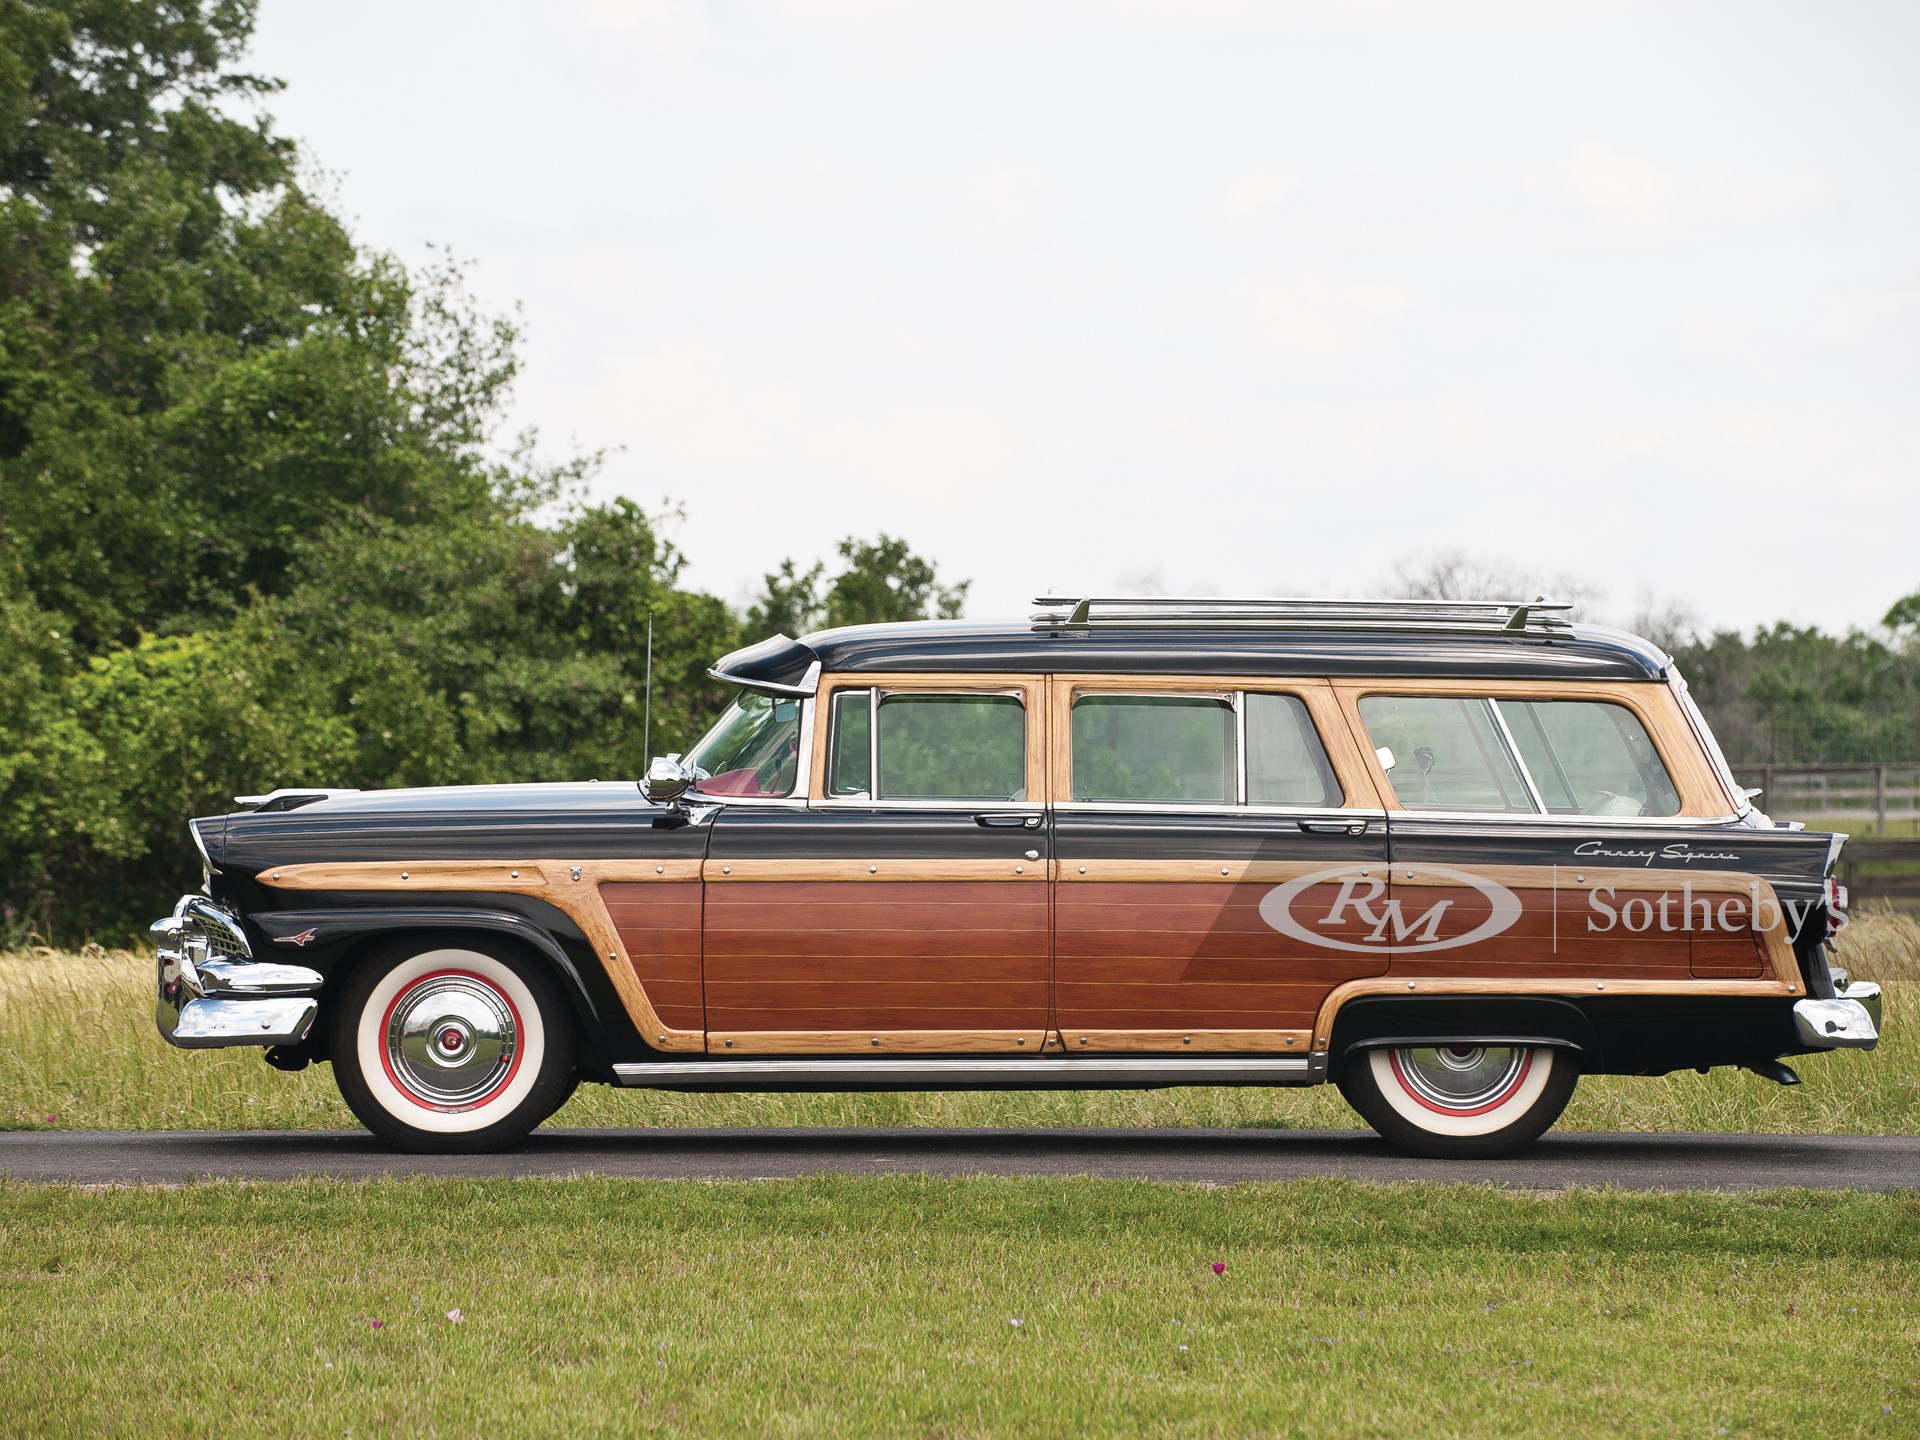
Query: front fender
pixel 331 939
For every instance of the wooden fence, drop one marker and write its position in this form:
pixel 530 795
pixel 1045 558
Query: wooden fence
pixel 1880 793
pixel 1874 869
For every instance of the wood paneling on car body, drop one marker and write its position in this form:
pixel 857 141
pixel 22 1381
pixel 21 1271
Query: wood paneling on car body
pixel 573 887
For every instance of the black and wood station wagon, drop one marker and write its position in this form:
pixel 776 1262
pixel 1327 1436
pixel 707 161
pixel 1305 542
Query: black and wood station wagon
pixel 1449 856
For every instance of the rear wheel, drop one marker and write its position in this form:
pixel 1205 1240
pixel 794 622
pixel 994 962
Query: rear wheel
pixel 1459 1101
pixel 452 1048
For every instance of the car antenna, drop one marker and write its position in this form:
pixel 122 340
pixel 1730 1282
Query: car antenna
pixel 646 722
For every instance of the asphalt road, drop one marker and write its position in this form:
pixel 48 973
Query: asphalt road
pixel 1637 1162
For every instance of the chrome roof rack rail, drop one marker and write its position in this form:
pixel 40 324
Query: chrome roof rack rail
pixel 1538 616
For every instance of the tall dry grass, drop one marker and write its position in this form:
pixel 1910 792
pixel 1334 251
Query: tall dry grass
pixel 78 1050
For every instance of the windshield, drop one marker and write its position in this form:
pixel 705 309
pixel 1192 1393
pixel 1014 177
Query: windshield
pixel 753 749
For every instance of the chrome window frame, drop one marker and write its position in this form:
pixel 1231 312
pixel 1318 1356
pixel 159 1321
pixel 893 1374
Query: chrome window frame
pixel 875 695
pixel 1743 806
pixel 1240 805
pixel 1543 816
pixel 794 799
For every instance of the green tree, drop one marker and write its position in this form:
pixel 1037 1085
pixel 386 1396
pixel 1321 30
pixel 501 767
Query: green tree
pixel 879 581
pixel 884 580
pixel 254 527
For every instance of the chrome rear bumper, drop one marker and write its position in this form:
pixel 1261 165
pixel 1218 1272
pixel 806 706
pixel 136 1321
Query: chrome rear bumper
pixel 1850 1021
pixel 210 991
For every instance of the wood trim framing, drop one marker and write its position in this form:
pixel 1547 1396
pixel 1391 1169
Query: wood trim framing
pixel 1193 872
pixel 1702 797
pixel 1207 1042
pixel 572 886
pixel 1388 985
pixel 1032 689
pixel 878 1042
pixel 876 868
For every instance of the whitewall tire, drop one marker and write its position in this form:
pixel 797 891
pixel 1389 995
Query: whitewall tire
pixel 1459 1101
pixel 451 1046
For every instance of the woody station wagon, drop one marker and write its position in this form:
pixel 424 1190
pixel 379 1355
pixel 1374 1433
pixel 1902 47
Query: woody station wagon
pixel 1449 856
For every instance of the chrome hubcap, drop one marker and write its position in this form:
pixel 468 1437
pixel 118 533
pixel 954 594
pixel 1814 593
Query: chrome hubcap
pixel 1460 1077
pixel 451 1040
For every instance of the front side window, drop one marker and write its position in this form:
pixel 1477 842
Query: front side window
pixel 1148 748
pixel 1448 753
pixel 926 746
pixel 753 749
pixel 949 747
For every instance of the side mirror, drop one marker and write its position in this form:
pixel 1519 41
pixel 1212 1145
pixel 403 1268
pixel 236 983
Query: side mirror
pixel 667 780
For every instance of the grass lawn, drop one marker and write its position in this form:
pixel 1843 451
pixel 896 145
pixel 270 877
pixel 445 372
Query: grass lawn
pixel 953 1308
pixel 78 1050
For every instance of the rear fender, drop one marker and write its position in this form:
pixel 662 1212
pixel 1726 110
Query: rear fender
pixel 1374 1022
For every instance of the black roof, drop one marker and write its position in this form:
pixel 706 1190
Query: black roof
pixel 1578 652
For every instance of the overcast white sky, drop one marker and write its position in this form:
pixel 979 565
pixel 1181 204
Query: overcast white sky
pixel 1226 298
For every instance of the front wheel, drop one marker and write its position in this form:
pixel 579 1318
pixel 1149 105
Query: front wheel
pixel 452 1049
pixel 1459 1102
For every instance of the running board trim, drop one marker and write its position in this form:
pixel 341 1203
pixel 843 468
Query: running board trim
pixel 1083 1072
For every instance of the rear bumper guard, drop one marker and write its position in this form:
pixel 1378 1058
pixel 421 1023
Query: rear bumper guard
pixel 209 991
pixel 1850 1021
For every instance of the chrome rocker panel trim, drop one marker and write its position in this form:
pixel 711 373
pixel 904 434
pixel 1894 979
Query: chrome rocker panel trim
pixel 206 998
pixel 1040 1073
pixel 1852 1023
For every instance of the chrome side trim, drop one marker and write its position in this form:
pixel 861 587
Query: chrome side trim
pixel 1184 807
pixel 913 1074
pixel 1837 1024
pixel 809 682
pixel 1588 822
pixel 200 844
pixel 289 799
pixel 264 977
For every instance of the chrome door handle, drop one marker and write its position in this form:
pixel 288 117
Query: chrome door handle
pixel 1018 821
pixel 1333 827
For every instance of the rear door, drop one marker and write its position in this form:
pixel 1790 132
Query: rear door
pixel 905 907
pixel 1217 845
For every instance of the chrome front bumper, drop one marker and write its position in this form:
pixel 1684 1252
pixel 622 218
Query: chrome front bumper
pixel 1850 1021
pixel 210 991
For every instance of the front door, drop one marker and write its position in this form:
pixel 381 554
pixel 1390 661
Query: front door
pixel 904 907
pixel 1222 863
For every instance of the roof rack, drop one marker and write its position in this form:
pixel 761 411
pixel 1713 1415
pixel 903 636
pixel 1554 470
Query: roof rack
pixel 1538 616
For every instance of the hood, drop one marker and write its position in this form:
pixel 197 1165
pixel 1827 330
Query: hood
pixel 593 820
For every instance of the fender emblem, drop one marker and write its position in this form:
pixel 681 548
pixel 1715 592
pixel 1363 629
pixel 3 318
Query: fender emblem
pixel 301 939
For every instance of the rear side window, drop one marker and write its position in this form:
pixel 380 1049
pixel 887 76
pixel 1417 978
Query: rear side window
pixel 1583 757
pixel 1590 757
pixel 1147 748
pixel 950 747
pixel 1448 753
